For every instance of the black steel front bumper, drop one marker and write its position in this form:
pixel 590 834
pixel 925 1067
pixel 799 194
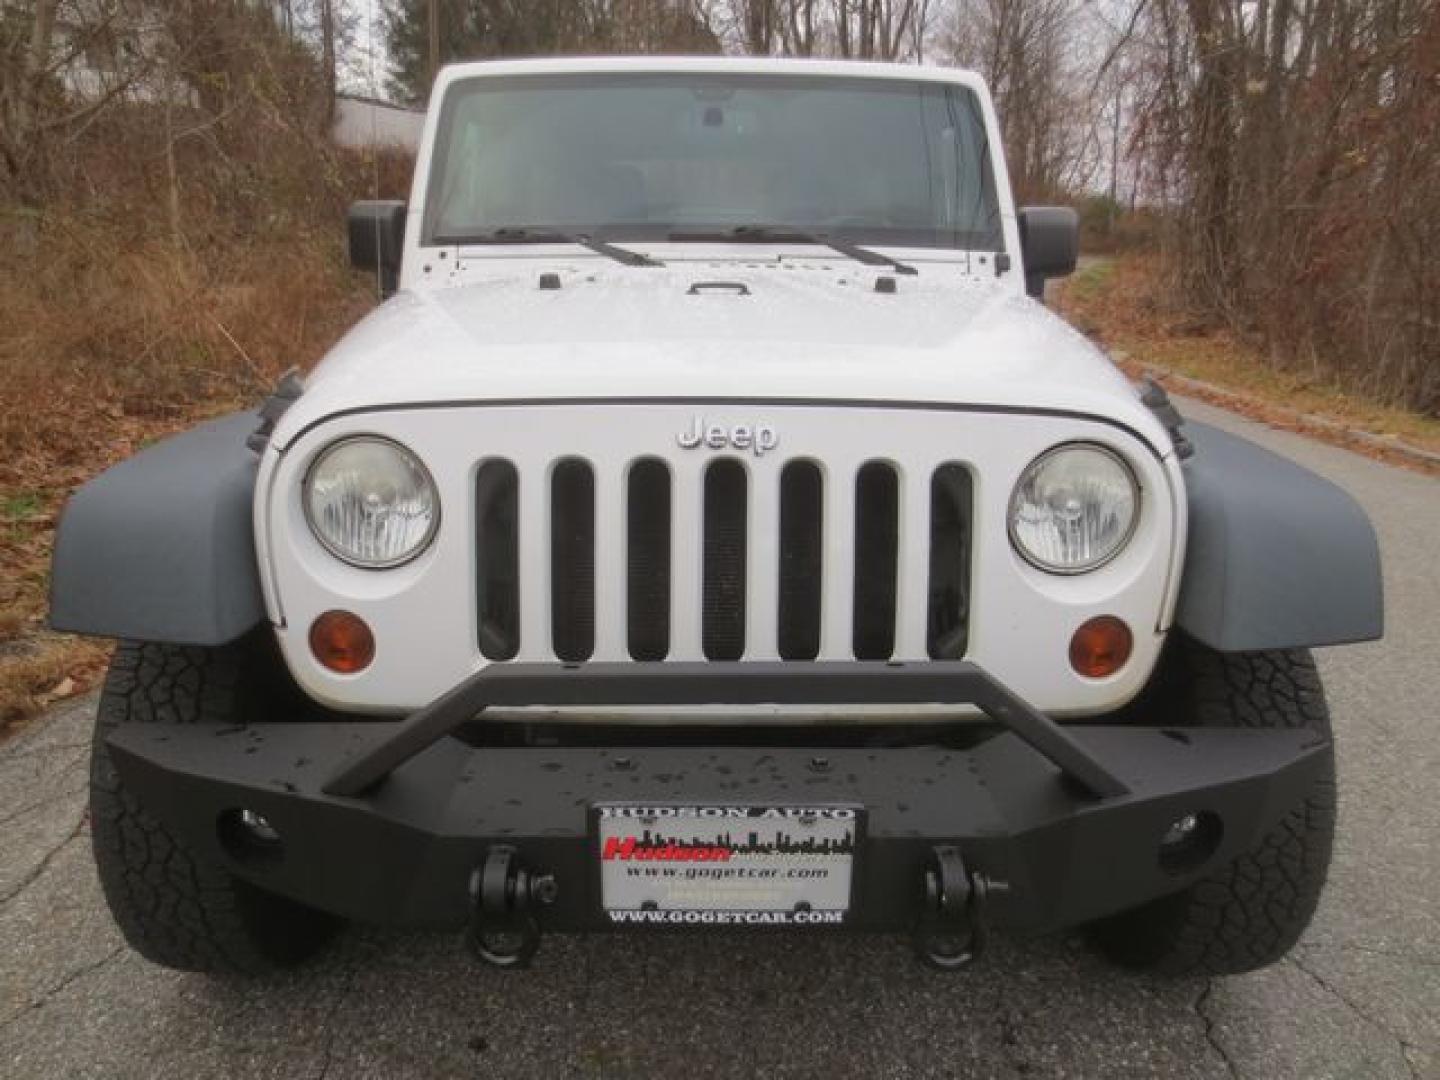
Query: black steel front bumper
pixel 391 822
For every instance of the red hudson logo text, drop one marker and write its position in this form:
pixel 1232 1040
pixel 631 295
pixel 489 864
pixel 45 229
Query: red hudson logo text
pixel 630 848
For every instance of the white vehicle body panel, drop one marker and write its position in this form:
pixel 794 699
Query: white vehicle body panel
pixel 424 613
pixel 813 331
pixel 472 361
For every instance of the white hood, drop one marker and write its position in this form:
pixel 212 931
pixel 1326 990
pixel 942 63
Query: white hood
pixel 807 330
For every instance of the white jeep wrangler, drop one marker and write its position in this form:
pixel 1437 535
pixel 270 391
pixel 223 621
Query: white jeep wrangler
pixel 713 528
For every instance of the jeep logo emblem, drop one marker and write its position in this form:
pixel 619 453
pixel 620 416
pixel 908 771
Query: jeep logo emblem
pixel 757 438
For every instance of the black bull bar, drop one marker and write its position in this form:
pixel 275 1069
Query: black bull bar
pixel 399 823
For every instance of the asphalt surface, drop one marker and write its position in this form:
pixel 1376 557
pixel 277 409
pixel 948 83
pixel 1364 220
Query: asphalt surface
pixel 1359 998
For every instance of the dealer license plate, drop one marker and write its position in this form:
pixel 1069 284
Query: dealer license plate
pixel 717 865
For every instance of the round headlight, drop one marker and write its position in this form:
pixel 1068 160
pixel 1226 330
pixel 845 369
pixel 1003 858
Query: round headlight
pixel 1074 508
pixel 370 502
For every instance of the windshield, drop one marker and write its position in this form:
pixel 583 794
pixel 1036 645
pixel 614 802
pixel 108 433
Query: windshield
pixel 682 156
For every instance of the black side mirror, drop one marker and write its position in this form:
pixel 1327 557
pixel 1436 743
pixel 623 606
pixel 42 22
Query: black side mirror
pixel 1049 243
pixel 377 238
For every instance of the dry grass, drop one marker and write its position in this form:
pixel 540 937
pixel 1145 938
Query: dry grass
pixel 160 264
pixel 110 343
pixel 109 339
pixel 1121 303
pixel 37 671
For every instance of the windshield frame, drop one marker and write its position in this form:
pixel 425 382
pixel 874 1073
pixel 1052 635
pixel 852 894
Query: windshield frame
pixel 962 91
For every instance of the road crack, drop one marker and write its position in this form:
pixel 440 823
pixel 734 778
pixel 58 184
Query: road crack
pixel 1212 1034
pixel 347 985
pixel 1333 991
pixel 44 864
pixel 1011 1025
pixel 41 751
pixel 1371 950
pixel 30 808
pixel 48 995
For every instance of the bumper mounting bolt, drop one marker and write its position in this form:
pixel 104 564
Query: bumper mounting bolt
pixel 544 889
pixel 820 764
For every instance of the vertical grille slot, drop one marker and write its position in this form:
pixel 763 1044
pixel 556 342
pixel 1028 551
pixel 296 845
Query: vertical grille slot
pixel 497 495
pixel 572 560
pixel 647 595
pixel 801 544
pixel 877 507
pixel 723 604
pixel 948 617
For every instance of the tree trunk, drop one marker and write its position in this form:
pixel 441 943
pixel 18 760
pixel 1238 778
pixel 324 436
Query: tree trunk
pixel 21 133
pixel 433 25
pixel 327 61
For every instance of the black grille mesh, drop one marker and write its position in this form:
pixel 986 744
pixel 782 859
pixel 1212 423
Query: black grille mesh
pixel 948 617
pixel 802 543
pixel 572 560
pixel 497 545
pixel 877 508
pixel 723 605
pixel 648 561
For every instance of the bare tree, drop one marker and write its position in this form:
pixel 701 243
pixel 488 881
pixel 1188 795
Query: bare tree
pixel 1298 141
pixel 1022 47
pixel 875 29
pixel 47 46
pixel 328 63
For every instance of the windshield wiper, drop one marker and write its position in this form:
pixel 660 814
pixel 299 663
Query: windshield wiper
pixel 782 234
pixel 524 234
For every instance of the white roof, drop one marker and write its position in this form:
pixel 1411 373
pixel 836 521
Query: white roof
pixel 724 65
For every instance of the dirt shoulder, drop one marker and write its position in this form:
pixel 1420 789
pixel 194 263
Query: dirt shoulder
pixel 1117 302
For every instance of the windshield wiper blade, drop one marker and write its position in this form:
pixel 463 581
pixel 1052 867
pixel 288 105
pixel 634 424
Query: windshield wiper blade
pixel 783 234
pixel 525 234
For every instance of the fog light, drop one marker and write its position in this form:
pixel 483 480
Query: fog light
pixel 342 642
pixel 258 827
pixel 1180 830
pixel 1100 647
pixel 1189 841
pixel 248 837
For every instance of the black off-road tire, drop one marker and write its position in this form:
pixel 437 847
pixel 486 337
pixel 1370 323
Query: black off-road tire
pixel 174 906
pixel 1250 912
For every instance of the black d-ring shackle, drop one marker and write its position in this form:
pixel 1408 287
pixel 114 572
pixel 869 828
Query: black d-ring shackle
pixel 504 931
pixel 950 933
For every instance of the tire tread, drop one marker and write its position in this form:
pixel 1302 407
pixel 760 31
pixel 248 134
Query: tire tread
pixel 174 906
pixel 1251 912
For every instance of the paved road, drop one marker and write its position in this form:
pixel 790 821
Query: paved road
pixel 1360 998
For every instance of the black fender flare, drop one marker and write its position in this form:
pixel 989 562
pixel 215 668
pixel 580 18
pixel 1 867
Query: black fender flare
pixel 161 547
pixel 1276 557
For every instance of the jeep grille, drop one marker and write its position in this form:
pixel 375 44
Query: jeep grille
pixel 755 551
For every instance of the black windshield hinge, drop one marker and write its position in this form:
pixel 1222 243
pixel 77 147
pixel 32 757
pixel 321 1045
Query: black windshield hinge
pixel 1154 398
pixel 287 391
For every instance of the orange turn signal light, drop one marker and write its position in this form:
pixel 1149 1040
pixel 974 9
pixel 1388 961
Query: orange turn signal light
pixel 342 642
pixel 1100 646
